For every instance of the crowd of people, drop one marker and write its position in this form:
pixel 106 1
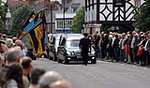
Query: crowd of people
pixel 17 70
pixel 131 47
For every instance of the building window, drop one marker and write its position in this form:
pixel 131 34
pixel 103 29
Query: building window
pixel 60 24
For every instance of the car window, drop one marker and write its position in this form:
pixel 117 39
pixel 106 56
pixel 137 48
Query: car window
pixel 74 43
pixel 57 43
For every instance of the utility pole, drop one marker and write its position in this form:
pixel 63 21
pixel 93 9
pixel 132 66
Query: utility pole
pixel 63 2
pixel 51 12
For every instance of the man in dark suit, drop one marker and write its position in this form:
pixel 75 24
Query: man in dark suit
pixel 147 49
pixel 84 46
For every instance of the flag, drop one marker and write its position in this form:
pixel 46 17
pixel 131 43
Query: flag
pixel 29 19
pixel 32 24
pixel 38 34
pixel 27 41
pixel 26 24
pixel 24 35
pixel 34 29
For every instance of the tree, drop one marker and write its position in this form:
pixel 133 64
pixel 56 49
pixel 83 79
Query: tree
pixel 2 15
pixel 105 26
pixel 19 17
pixel 142 17
pixel 78 21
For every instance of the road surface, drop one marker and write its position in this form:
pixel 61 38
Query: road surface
pixel 100 75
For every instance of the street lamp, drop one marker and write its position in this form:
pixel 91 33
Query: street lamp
pixel 7 17
pixel 8 20
pixel 2 16
pixel 51 13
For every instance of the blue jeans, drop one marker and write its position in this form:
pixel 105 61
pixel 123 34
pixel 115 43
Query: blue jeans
pixel 97 51
pixel 122 55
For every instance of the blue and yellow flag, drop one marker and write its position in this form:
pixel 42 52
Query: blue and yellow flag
pixel 24 35
pixel 35 27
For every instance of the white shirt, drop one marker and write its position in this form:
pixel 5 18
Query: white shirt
pixel 132 42
pixel 145 47
pixel 113 40
pixel 11 84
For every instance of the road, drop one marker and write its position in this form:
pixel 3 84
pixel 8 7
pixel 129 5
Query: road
pixel 100 75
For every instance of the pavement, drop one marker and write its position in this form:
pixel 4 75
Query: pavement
pixel 100 75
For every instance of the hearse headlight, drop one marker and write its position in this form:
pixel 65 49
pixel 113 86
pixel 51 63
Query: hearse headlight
pixel 69 58
pixel 93 58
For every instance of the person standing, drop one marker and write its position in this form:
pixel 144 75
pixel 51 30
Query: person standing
pixel 116 48
pixel 84 46
pixel 27 69
pixel 96 44
pixel 35 77
pixel 14 77
pixel 134 46
pixel 104 43
pixel 147 49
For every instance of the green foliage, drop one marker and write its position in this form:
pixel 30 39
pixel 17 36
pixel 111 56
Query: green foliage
pixel 78 21
pixel 2 15
pixel 105 26
pixel 142 17
pixel 19 17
